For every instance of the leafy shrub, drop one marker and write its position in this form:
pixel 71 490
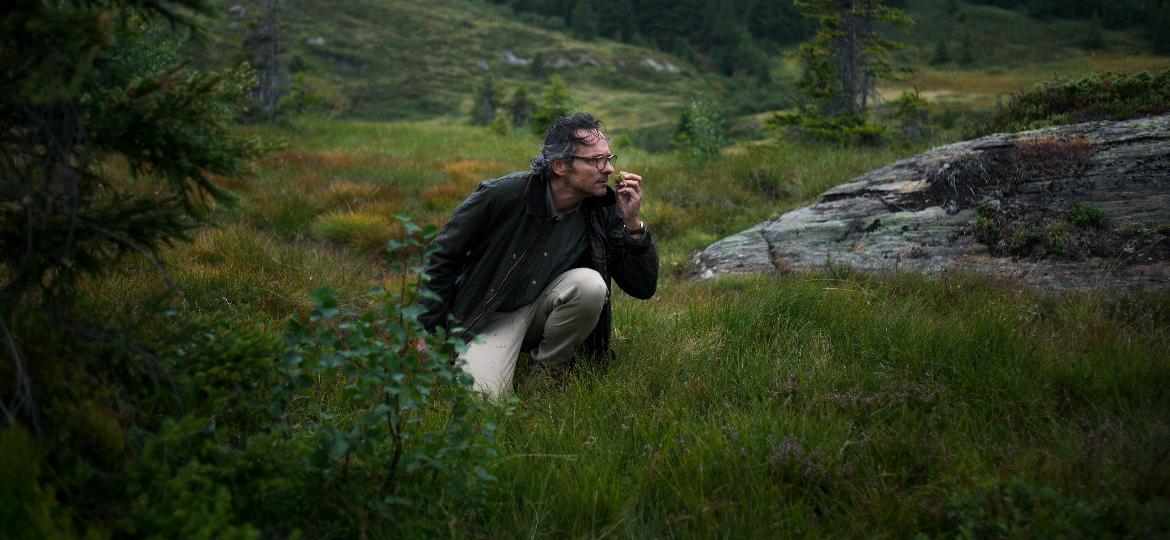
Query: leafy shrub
pixel 1101 96
pixel 402 416
pixel 912 114
pixel 1084 215
pixel 554 103
pixel 851 128
pixel 700 129
pixel 1023 507
pixel 28 508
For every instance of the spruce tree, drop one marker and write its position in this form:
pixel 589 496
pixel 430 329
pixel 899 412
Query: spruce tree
pixel 583 20
pixel 92 101
pixel 486 102
pixel 520 106
pixel 263 47
pixel 941 55
pixel 847 56
pixel 554 103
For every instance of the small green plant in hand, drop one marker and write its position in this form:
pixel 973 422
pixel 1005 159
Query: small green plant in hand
pixel 379 408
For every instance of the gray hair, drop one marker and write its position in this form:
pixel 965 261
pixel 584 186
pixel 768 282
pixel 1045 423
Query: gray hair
pixel 561 141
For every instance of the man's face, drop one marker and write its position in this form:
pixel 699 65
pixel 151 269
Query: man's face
pixel 584 177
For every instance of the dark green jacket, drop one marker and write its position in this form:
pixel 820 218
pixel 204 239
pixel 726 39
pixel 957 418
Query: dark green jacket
pixel 484 249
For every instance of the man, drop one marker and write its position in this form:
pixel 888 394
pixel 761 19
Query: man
pixel 526 260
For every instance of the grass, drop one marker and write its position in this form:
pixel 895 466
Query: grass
pixel 341 177
pixel 1004 52
pixel 829 404
pixel 415 60
pixel 825 404
pixel 836 405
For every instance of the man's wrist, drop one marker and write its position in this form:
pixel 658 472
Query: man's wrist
pixel 635 231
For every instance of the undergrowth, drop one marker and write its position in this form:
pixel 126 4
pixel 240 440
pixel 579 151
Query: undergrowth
pixel 826 404
pixel 1100 96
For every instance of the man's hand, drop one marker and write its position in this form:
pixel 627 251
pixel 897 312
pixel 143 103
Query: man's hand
pixel 629 194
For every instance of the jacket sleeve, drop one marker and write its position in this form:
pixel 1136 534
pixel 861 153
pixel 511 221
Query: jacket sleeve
pixel 459 237
pixel 633 262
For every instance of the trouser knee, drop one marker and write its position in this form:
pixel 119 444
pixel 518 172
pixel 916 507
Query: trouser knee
pixel 588 287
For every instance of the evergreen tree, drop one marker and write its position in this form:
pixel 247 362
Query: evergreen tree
pixel 941 55
pixel 84 84
pixel 555 103
pixel 263 47
pixel 842 64
pixel 966 47
pixel 847 56
pixel 1094 34
pixel 520 106
pixel 616 19
pixel 700 129
pixel 583 20
pixel 1157 21
pixel 486 102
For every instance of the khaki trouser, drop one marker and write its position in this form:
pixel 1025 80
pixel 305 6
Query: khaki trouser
pixel 550 328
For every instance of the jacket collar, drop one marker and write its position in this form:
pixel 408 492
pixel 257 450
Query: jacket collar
pixel 537 204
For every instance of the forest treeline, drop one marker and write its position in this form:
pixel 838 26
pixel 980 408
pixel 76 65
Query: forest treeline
pixel 733 35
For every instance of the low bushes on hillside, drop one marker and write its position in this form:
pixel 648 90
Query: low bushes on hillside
pixel 1101 96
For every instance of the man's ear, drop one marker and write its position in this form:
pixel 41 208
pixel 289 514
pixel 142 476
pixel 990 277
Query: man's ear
pixel 560 167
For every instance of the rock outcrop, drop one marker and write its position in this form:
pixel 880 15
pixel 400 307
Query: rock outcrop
pixel 1078 206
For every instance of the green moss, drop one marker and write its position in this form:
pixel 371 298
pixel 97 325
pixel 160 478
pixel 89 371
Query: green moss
pixel 1083 215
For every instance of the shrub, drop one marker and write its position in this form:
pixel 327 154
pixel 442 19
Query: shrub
pixel 1101 96
pixel 88 89
pixel 912 114
pixel 403 417
pixel 554 103
pixel 1084 215
pixel 700 129
pixel 851 128
pixel 1024 507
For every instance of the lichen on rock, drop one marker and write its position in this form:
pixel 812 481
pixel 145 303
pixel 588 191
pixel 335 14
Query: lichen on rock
pixel 1076 206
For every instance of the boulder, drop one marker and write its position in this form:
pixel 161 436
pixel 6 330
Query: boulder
pixel 1068 207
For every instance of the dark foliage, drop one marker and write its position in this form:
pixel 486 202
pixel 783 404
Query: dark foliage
pixel 1102 96
pixel 728 36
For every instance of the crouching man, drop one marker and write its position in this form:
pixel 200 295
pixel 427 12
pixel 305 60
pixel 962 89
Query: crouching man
pixel 527 259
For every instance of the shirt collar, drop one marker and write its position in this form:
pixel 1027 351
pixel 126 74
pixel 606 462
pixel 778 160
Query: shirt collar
pixel 539 197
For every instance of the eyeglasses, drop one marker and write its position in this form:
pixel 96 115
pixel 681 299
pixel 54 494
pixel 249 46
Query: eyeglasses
pixel 599 161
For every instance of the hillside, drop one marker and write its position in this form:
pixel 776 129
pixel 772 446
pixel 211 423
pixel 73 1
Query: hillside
pixel 412 59
pixel 993 52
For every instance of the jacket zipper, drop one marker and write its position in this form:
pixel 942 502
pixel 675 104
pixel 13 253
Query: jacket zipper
pixel 504 281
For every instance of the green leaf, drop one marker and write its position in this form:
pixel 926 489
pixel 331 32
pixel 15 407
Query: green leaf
pixel 394 500
pixel 338 446
pixel 291 359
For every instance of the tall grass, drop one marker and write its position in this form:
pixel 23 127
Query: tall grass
pixel 839 405
pixel 828 404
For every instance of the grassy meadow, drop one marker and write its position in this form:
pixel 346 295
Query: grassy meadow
pixel 823 404
pixel 829 404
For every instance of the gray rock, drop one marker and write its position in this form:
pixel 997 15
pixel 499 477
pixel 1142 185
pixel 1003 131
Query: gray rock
pixel 1068 207
pixel 511 58
pixel 663 66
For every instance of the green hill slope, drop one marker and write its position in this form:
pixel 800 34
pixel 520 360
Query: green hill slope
pixel 992 51
pixel 416 59
pixel 409 59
